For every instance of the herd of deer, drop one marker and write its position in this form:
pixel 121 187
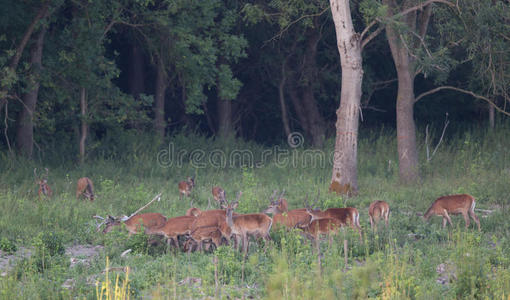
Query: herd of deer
pixel 203 229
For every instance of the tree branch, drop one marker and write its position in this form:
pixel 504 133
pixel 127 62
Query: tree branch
pixel 40 15
pixel 371 37
pixel 421 6
pixel 446 87
pixel 281 32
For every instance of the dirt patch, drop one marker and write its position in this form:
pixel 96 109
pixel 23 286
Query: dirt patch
pixel 7 261
pixel 82 254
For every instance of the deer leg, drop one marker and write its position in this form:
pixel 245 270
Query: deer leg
pixel 245 244
pixel 475 218
pixel 444 221
pixel 466 219
pixel 371 221
pixel 386 218
pixel 448 218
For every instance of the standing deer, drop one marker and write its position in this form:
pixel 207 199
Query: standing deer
pixel 454 204
pixel 320 227
pixel 173 228
pixel 185 187
pixel 245 225
pixel 218 195
pixel 133 224
pixel 86 188
pixel 288 218
pixel 346 215
pixel 44 188
pixel 377 210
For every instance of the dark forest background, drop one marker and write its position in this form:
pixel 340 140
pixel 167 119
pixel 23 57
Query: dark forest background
pixel 95 72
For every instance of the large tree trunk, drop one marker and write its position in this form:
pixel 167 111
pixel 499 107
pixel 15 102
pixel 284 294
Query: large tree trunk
pixel 315 121
pixel 301 92
pixel 25 123
pixel 84 124
pixel 344 179
pixel 406 129
pixel 136 72
pixel 159 101
pixel 225 127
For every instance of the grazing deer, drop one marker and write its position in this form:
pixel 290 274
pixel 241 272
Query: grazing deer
pixel 86 188
pixel 173 228
pixel 346 215
pixel 185 187
pixel 245 225
pixel 44 188
pixel 195 212
pixel 454 204
pixel 213 218
pixel 376 210
pixel 282 216
pixel 133 224
pixel 201 235
pixel 218 195
pixel 320 227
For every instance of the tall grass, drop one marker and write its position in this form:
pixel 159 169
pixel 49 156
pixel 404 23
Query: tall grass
pixel 400 261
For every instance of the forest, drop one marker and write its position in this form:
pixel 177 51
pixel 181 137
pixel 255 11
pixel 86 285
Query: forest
pixel 245 107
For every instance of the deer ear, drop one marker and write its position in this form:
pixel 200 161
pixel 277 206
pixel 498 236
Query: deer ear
pixel 235 204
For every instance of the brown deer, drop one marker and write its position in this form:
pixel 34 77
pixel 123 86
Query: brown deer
pixel 133 224
pixel 454 204
pixel 377 210
pixel 173 228
pixel 218 195
pixel 320 227
pixel 213 218
pixel 245 225
pixel 185 187
pixel 346 215
pixel 86 188
pixel 282 216
pixel 42 181
pixel 194 211
pixel 202 235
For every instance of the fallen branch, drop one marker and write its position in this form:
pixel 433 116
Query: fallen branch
pixel 486 211
pixel 158 197
pixel 429 157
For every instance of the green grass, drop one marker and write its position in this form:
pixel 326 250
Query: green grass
pixel 395 263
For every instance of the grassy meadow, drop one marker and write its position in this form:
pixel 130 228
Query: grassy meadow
pixel 411 259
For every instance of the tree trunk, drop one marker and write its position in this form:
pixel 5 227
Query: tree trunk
pixel 41 13
pixel 25 128
pixel 344 179
pixel 159 100
pixel 224 117
pixel 492 112
pixel 136 72
pixel 406 129
pixel 317 129
pixel 281 96
pixel 84 124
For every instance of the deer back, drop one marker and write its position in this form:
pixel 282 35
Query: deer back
pixel 174 226
pixel 453 204
pixel 378 208
pixel 148 220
